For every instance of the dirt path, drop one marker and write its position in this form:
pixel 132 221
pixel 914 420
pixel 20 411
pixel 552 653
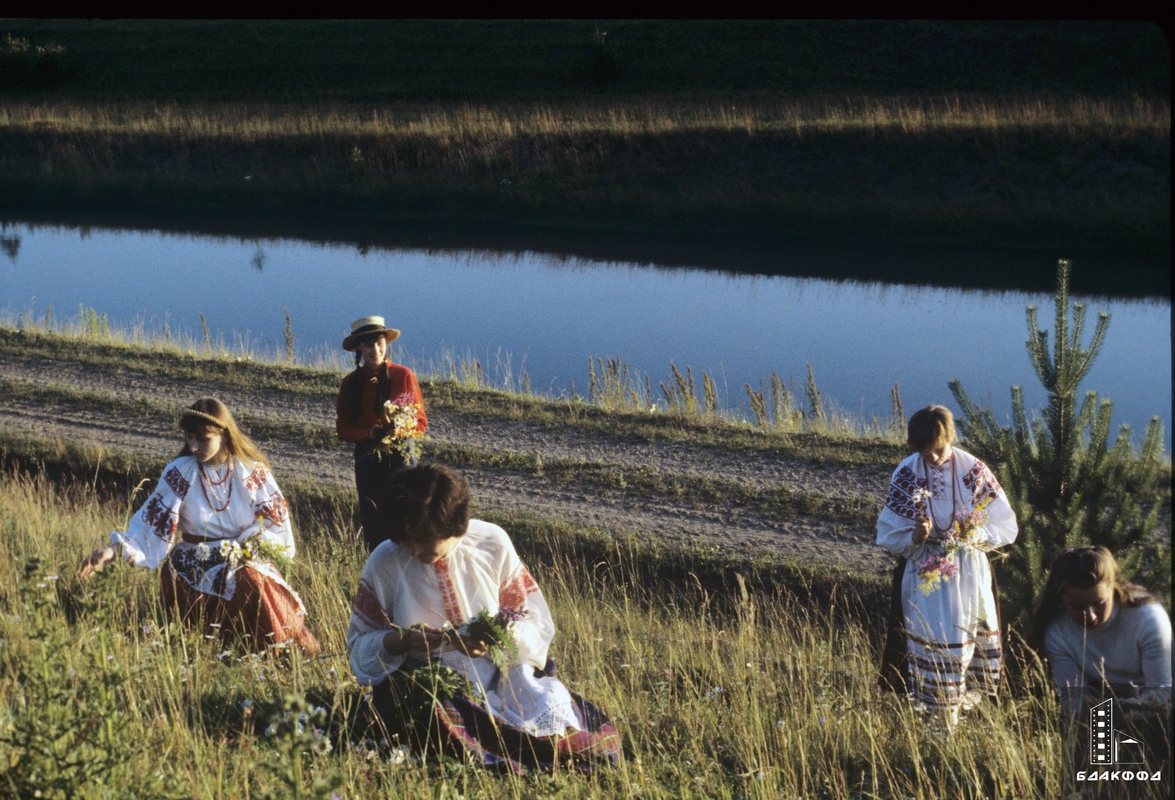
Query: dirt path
pixel 728 527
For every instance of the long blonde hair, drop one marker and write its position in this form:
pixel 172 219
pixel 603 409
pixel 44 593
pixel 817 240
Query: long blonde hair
pixel 210 415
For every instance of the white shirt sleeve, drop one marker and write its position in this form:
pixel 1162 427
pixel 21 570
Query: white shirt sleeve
pixel 896 535
pixel 536 628
pixel 370 620
pixel 151 531
pixel 1154 647
pixel 272 512
pixel 1001 527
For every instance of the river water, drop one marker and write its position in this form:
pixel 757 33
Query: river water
pixel 543 316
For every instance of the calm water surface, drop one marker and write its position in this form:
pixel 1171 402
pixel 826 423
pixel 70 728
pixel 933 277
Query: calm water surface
pixel 546 315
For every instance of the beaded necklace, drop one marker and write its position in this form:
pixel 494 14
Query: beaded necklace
pixel 206 481
pixel 930 497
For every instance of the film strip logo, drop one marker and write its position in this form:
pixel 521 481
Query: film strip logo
pixel 1107 745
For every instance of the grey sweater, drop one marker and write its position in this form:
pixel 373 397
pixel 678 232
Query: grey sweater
pixel 1131 652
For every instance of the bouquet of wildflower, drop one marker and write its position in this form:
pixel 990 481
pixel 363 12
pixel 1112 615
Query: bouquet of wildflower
pixel 403 415
pixel 495 631
pixel 964 532
pixel 933 570
pixel 236 554
pixel 258 549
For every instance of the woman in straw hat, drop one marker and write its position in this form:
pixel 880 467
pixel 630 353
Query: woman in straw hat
pixel 363 419
pixel 214 526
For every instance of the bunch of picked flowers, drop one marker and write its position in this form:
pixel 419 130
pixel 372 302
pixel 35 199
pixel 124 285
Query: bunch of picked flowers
pixel 403 416
pixel 496 631
pixel 963 533
pixel 236 554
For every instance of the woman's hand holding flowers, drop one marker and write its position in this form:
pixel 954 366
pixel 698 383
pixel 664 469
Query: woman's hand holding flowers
pixel 418 642
pixel 921 530
pixel 470 646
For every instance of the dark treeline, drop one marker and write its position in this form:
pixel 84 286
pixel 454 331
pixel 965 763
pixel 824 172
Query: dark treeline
pixel 424 60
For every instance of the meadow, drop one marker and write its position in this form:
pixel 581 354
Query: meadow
pixel 728 675
pixel 744 694
pixel 1030 170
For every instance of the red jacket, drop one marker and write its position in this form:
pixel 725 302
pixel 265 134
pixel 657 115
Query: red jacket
pixel 400 381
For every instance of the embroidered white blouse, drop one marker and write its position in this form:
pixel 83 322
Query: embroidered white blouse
pixel 965 601
pixel 483 572
pixel 235 501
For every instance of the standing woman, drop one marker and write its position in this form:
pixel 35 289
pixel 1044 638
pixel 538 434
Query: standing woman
pixel 362 419
pixel 943 644
pixel 232 521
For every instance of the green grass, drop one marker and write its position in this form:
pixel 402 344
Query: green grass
pixel 763 694
pixel 1030 170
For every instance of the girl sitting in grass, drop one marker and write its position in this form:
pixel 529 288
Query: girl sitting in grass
pixel 445 601
pixel 1102 635
pixel 214 526
pixel 944 510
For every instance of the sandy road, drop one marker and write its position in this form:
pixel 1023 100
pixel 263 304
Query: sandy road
pixel 726 526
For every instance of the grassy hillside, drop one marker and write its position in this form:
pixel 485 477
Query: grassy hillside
pixel 758 695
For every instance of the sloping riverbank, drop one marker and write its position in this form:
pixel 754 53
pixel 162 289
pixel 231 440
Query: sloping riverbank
pixel 807 499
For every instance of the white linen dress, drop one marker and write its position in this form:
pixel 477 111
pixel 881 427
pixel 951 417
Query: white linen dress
pixel 181 504
pixel 483 572
pixel 952 634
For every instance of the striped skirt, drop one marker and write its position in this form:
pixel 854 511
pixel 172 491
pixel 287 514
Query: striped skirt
pixel 946 676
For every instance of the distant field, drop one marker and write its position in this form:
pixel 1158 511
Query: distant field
pixel 1042 135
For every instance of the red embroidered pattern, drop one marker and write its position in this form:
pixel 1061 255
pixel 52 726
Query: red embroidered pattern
pixel 176 481
pixel 162 520
pixel 448 593
pixel 275 509
pixel 256 479
pixel 514 591
pixel 367 607
pixel 982 483
pixel 901 494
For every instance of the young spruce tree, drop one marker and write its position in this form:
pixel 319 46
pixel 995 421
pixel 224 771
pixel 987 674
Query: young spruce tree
pixel 1067 484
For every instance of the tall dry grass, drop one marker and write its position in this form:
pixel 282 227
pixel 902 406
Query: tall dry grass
pixel 454 123
pixel 764 698
pixel 1027 169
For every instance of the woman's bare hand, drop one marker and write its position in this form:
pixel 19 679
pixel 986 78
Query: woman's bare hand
pixel 921 529
pixel 416 643
pixel 474 648
pixel 95 561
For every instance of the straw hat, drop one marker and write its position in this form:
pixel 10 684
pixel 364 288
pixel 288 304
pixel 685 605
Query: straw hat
pixel 361 328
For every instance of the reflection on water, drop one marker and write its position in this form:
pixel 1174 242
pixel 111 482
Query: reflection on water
pixel 11 245
pixel 551 312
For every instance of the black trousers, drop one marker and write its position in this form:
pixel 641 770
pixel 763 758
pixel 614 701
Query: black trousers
pixel 372 468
